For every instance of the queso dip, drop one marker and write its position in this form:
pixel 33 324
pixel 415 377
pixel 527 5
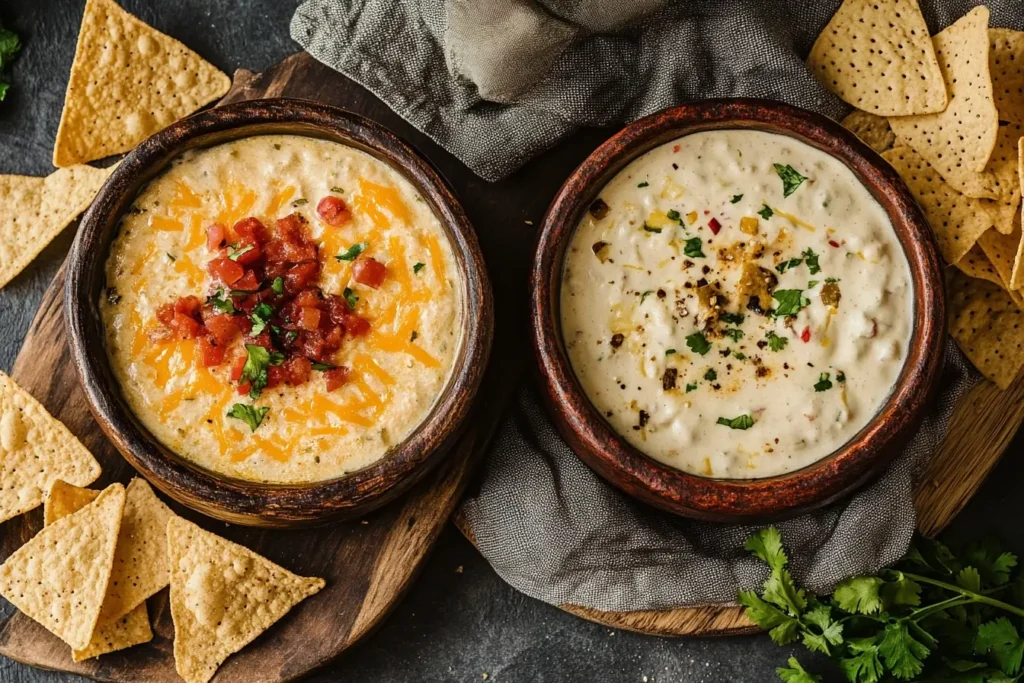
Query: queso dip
pixel 736 304
pixel 281 308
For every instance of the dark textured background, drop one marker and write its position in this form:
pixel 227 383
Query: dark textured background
pixel 460 621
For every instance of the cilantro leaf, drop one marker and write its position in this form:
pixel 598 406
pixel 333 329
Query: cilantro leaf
pixel 969 578
pixel 643 184
pixel 9 46
pixel 250 415
pixel 901 591
pixel 692 248
pixel 322 367
pixel 791 179
pixel 782 628
pixel 417 267
pixel 238 252
pixel 864 666
pixel 735 199
pixel 731 318
pixel 260 317
pixel 691 387
pixel 698 343
pixel 766 545
pixel 352 252
pixel 786 265
pixel 650 229
pixel 646 294
pixel 812 261
pixel 733 333
pixel 790 301
pixel 254 372
pixel 278 285
pixel 741 422
pixel 220 302
pixel 828 633
pixel 999 640
pixel 823 383
pixel 796 673
pixel 902 653
pixel 859 595
pixel 766 212
pixel 351 298
pixel 775 342
pixel 711 375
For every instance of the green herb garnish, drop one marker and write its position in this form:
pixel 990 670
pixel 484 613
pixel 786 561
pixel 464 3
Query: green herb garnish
pixel 811 284
pixel 650 229
pixel 674 215
pixel 812 261
pixel 250 415
pixel 731 318
pixel 739 355
pixel 733 333
pixel 775 342
pixel 323 367
pixel 417 267
pixel 645 295
pixel 735 199
pixel 766 212
pixel 337 189
pixel 221 302
pixel 711 375
pixel 9 46
pixel 278 285
pixel 643 184
pixel 238 252
pixel 254 372
pixel 351 298
pixel 823 383
pixel 791 180
pixel 299 202
pixel 698 343
pixel 840 376
pixel 786 265
pixel 741 422
pixel 691 387
pixel 692 248
pixel 790 301
pixel 352 252
pixel 669 352
pixel 260 317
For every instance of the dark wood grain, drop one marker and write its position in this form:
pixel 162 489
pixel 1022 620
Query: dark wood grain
pixel 730 500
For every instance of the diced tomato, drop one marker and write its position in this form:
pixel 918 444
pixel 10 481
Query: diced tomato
pixel 300 276
pixel 276 374
pixel 805 336
pixel 356 326
pixel 216 233
pixel 222 327
pixel 336 377
pixel 252 229
pixel 309 318
pixel 714 225
pixel 334 336
pixel 369 271
pixel 337 308
pixel 675 148
pixel 210 353
pixel 311 344
pixel 186 327
pixel 308 298
pixel 333 211
pixel 248 252
pixel 261 339
pixel 291 226
pixel 188 305
pixel 236 367
pixel 244 388
pixel 226 270
pixel 833 243
pixel 298 370
pixel 248 282
pixel 165 313
pixel 286 251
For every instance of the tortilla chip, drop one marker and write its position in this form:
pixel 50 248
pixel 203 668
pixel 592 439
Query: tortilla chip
pixel 1002 251
pixel 959 141
pixel 60 576
pixel 957 220
pixel 36 210
pixel 877 56
pixel 1006 62
pixel 976 264
pixel 988 326
pixel 127 82
pixel 872 130
pixel 222 597
pixel 108 636
pixel 35 449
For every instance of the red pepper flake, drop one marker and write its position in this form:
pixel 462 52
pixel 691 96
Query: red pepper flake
pixel 675 148
pixel 805 336
pixel 714 225
pixel 833 243
pixel 707 212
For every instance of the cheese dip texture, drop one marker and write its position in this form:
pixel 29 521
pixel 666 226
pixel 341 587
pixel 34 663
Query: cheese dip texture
pixel 396 367
pixel 736 304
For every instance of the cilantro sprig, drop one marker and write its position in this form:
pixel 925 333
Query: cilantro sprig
pixel 934 616
pixel 254 372
pixel 250 415
pixel 10 44
pixel 791 179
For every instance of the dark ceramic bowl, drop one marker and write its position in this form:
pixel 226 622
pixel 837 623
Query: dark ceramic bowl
pixel 247 502
pixel 864 456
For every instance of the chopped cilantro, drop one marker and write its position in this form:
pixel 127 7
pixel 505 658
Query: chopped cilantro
pixel 766 212
pixel 352 252
pixel 823 384
pixel 775 342
pixel 831 279
pixel 741 422
pixel 674 215
pixel 791 180
pixel 840 376
pixel 417 267
pixel 650 229
pixel 711 375
pixel 278 285
pixel 337 189
pixel 692 248
pixel 260 317
pixel 811 284
pixel 250 415
pixel 786 265
pixel 739 355
pixel 736 198
pixel 351 298
pixel 812 261
pixel 238 252
pixel 790 301
pixel 645 295
pixel 669 352
pixel 323 367
pixel 731 318
pixel 254 372
pixel 643 184
pixel 691 387
pixel 221 302
pixel 733 333
pixel 698 343
pixel 9 46
pixel 300 201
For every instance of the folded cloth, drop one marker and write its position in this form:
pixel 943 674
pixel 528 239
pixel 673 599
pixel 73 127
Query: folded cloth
pixel 497 81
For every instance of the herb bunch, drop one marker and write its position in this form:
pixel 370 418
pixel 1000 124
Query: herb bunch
pixel 934 617
pixel 9 46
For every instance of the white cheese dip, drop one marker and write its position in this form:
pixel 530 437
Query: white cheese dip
pixel 736 304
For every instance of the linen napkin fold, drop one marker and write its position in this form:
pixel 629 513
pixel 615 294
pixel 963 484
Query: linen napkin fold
pixel 495 82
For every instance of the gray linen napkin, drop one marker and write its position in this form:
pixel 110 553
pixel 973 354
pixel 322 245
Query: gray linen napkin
pixel 497 81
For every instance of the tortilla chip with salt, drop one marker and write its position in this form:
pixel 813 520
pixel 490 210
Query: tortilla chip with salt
pixel 959 141
pixel 36 210
pixel 988 326
pixel 35 449
pixel 957 220
pixel 873 130
pixel 877 55
pixel 976 264
pixel 127 82
pixel 60 576
pixel 1006 62
pixel 132 628
pixel 1002 250
pixel 222 597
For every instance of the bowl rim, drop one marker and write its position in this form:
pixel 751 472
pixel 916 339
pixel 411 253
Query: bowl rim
pixel 717 499
pixel 239 500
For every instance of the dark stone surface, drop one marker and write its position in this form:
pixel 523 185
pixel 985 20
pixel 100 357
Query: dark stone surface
pixel 460 621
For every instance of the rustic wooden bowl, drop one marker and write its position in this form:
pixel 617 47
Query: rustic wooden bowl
pixel 236 500
pixel 757 500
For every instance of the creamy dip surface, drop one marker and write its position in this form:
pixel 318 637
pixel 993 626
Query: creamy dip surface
pixel 736 304
pixel 393 371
